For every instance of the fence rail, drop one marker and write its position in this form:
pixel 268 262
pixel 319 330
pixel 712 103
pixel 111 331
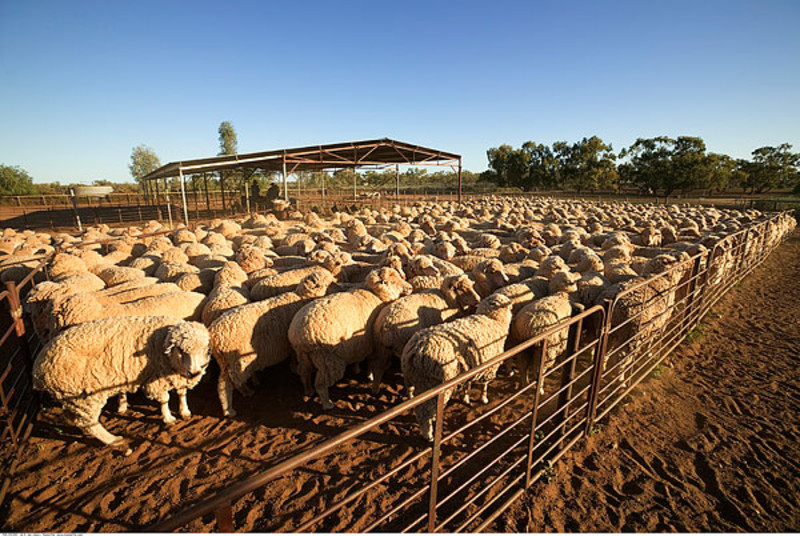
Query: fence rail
pixel 476 467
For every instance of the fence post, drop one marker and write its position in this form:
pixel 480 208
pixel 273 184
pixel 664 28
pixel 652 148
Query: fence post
pixel 224 515
pixel 15 307
pixel 437 447
pixel 567 375
pixel 535 413
pixel 597 375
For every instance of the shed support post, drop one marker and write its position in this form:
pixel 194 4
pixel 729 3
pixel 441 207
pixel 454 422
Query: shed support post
pixel 285 184
pixel 169 205
pixel 459 181
pixel 247 192
pixel 397 182
pixel 183 197
pixel 205 184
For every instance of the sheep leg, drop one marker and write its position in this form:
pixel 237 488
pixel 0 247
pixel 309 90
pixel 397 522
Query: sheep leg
pixel 306 370
pixel 225 394
pixel 166 415
pixel 123 404
pixel 330 369
pixel 321 387
pixel 86 416
pixel 184 411
pixel 97 431
pixel 378 364
pixel 465 397
pixel 485 393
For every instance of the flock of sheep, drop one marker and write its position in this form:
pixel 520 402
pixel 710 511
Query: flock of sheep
pixel 442 287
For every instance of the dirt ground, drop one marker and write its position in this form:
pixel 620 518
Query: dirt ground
pixel 710 445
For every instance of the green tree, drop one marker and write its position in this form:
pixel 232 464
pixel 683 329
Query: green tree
pixel 543 166
pixel 507 166
pixel 690 164
pixel 649 165
pixel 15 181
pixel 772 167
pixel 724 173
pixel 143 161
pixel 588 164
pixel 227 139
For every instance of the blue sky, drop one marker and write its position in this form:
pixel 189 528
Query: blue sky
pixel 84 82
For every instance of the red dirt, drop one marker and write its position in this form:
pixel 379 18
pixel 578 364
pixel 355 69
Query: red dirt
pixel 711 445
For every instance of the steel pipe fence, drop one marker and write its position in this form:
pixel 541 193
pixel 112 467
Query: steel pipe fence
pixel 19 403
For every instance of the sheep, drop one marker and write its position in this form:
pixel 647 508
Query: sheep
pixel 399 320
pixel 271 286
pixel 333 332
pixel 541 315
pixel 251 337
pixel 440 353
pixel 114 275
pixel 641 306
pixel 80 308
pixel 85 365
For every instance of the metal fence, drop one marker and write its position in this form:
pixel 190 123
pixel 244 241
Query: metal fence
pixel 482 460
pixel 19 403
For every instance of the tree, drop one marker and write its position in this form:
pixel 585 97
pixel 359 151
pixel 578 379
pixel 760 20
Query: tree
pixel 772 167
pixel 227 139
pixel 543 166
pixel 143 161
pixel 15 181
pixel 507 166
pixel 650 165
pixel 724 173
pixel 690 165
pixel 588 164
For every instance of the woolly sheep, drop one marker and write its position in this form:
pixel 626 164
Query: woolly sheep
pixel 333 332
pixel 87 364
pixel 80 308
pixel 251 337
pixel 400 319
pixel 541 315
pixel 440 353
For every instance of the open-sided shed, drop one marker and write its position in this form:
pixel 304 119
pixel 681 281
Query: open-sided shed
pixel 348 155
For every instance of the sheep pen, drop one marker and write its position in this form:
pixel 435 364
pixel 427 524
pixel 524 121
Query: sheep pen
pixel 384 462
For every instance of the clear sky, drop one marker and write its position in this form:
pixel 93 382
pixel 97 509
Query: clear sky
pixel 82 83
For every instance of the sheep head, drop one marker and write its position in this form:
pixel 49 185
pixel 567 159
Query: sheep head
pixel 551 266
pixel 187 346
pixel 395 263
pixel 335 261
pixel 387 284
pixel 564 282
pixel 315 284
pixel 422 265
pixel 492 272
pixel 498 308
pixel 590 263
pixel 459 292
